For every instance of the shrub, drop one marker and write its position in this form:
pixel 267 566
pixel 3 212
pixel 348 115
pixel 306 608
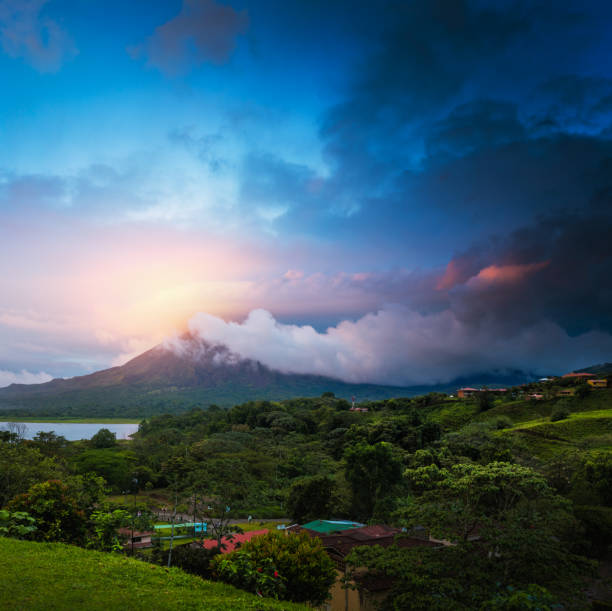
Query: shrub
pixel 17 525
pixel 57 515
pixel 561 412
pixel 503 422
pixel 289 567
pixel 196 561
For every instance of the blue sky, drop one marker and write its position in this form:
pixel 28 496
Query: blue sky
pixel 381 172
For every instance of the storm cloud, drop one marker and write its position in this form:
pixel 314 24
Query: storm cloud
pixel 399 346
pixel 204 31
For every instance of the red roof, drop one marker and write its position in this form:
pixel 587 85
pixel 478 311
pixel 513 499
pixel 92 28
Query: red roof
pixel 236 540
pixel 343 542
pixel 579 375
pixel 472 389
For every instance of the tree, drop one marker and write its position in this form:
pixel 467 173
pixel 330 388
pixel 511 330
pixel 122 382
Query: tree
pixel 49 443
pixel 464 497
pixel 289 567
pixel 105 525
pixel 115 467
pixel 310 498
pixel 448 579
pixel 518 521
pixel 89 490
pixel 57 514
pixel 103 439
pixel 484 400
pixel 372 471
pixel 21 467
pixel 175 471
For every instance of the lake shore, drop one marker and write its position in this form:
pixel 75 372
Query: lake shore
pixel 72 420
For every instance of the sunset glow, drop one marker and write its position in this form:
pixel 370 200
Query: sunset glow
pixel 208 157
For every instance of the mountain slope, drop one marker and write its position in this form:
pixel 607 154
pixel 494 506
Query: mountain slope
pixel 163 379
pixel 192 373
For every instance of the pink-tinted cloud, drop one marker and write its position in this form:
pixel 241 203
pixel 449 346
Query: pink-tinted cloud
pixel 204 31
pixel 506 274
pixel 26 32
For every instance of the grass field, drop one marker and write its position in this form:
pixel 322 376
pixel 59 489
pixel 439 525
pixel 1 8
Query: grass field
pixel 584 430
pixel 53 576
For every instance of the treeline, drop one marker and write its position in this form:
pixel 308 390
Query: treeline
pixel 527 513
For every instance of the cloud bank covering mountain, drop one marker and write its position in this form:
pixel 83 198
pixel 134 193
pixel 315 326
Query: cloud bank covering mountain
pixel 397 346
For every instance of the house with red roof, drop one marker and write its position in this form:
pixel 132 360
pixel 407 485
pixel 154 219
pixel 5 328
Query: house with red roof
pixel 468 393
pixel 338 546
pixel 583 376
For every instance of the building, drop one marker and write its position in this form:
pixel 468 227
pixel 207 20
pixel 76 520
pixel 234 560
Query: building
pixel 136 539
pixel 468 393
pixel 324 527
pixel 567 392
pixel 598 383
pixel 371 589
pixel 579 376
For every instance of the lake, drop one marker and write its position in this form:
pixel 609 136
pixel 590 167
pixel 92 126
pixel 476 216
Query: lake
pixel 73 431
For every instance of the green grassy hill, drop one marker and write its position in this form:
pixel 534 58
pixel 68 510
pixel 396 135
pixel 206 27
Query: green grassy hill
pixel 588 428
pixel 53 576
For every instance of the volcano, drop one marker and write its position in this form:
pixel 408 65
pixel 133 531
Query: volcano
pixel 190 373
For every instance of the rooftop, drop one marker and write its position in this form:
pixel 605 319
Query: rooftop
pixel 230 543
pixel 331 526
pixel 579 375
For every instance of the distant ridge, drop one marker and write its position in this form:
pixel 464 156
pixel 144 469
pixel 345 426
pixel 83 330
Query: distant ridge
pixel 195 374
pixel 603 369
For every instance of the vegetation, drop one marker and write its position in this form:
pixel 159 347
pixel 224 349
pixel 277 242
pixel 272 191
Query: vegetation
pixel 291 567
pixel 525 497
pixel 311 497
pixel 43 576
pixel 56 514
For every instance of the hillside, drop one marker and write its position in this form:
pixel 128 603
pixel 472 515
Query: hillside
pixel 37 576
pixel 162 380
pixel 603 369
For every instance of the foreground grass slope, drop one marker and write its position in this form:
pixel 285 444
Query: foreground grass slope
pixel 55 576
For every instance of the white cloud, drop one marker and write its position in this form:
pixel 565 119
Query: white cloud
pixel 23 377
pixel 397 345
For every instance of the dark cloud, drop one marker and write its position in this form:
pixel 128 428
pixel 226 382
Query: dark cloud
pixel 204 31
pixel 474 126
pixel 27 32
pixel 552 270
pixel 572 102
pixel 458 122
